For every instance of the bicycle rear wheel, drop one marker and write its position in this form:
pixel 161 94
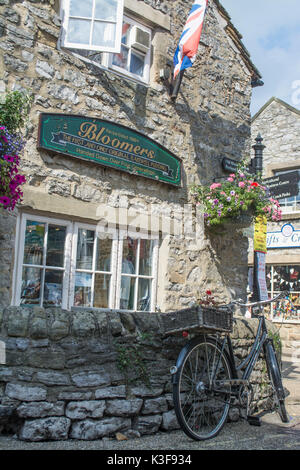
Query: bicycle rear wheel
pixel 275 377
pixel 202 389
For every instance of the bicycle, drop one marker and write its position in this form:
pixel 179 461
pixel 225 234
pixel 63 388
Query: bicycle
pixel 206 379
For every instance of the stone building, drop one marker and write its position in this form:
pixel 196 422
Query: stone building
pixel 106 233
pixel 93 230
pixel 279 125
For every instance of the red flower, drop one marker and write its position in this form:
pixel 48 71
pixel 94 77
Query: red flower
pixel 208 292
pixel 185 334
pixel 255 184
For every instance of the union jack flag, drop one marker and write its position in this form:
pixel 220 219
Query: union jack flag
pixel 186 51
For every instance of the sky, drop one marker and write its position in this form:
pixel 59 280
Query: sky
pixel 271 34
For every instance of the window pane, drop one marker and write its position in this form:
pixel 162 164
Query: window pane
pixel 53 288
pixel 79 31
pixel 56 245
pixel 137 64
pixel 121 59
pixel 144 294
pixel 34 242
pixel 126 28
pixel 83 290
pixel 104 34
pixel 101 290
pixel 106 10
pixel 85 248
pixel 103 255
pixel 127 293
pixel 286 278
pixel 31 286
pixel 129 255
pixel 146 254
pixel 79 8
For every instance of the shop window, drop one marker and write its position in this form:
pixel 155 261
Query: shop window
pixel 284 278
pixel 69 264
pixel 290 204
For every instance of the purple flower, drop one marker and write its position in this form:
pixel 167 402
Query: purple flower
pixel 9 158
pixel 5 201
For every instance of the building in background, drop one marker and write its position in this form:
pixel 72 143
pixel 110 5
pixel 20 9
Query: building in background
pixel 279 125
pixel 106 219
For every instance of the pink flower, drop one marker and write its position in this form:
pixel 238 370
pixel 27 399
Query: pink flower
pixel 230 180
pixel 232 175
pixel 241 184
pixel 215 186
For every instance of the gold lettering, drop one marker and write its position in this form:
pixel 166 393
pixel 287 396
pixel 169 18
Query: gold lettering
pixel 100 133
pixel 151 154
pixel 126 146
pixel 136 149
pixel 115 143
pixel 105 140
pixel 88 130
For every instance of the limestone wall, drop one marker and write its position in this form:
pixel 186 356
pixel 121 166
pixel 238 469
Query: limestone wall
pixel 90 374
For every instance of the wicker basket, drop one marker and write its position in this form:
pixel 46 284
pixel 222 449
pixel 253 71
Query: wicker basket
pixel 194 318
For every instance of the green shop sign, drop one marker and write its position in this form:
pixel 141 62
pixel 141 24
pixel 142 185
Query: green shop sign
pixel 108 144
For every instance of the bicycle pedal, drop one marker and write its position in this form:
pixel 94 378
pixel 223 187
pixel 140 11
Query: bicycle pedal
pixel 254 420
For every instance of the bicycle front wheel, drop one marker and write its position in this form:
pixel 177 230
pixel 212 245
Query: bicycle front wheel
pixel 202 389
pixel 276 381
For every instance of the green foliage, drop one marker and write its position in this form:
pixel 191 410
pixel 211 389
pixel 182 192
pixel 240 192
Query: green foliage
pixel 14 110
pixel 130 362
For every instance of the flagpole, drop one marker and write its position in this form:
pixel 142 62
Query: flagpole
pixel 175 85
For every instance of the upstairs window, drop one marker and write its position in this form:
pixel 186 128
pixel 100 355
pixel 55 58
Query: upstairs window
pixel 98 33
pixel 94 25
pixel 134 56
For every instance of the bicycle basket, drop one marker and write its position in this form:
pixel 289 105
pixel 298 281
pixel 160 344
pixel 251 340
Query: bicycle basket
pixel 197 318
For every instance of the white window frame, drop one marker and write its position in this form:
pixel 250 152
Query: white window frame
pixel 43 267
pixel 137 276
pixel 108 58
pixel 65 15
pixel 69 267
pixel 93 271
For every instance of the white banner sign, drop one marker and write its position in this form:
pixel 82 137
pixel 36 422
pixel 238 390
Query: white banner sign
pixel 287 237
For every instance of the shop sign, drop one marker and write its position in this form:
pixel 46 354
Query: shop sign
pixel 260 234
pixel 260 284
pixel 229 165
pixel 287 237
pixel 282 186
pixel 109 144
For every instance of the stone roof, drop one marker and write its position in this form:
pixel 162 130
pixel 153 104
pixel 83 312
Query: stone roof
pixel 236 37
pixel 277 100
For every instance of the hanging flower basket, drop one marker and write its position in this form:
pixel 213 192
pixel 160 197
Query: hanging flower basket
pixel 236 201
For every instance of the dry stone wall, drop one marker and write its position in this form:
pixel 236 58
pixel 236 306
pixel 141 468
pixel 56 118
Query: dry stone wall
pixel 90 374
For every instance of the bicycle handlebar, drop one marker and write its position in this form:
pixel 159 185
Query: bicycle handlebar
pixel 261 302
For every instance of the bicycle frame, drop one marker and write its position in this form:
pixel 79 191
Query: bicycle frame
pixel 249 362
